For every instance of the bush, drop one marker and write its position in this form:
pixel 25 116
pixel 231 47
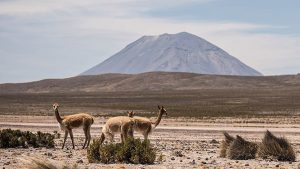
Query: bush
pixel 240 149
pixel 131 151
pixel 273 147
pixel 16 138
pixel 93 153
pixel 225 144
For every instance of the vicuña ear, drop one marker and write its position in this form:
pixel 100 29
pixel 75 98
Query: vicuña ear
pixel 158 107
pixel 162 107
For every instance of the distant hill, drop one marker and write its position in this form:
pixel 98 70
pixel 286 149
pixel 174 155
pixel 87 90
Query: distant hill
pixel 152 81
pixel 181 52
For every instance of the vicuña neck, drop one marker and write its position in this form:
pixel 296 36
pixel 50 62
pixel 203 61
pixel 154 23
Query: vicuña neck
pixel 158 119
pixel 58 118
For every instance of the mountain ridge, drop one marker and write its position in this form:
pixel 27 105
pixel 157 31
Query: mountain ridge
pixel 152 81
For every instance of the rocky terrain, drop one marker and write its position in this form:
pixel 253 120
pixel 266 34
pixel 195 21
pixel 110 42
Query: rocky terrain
pixel 192 145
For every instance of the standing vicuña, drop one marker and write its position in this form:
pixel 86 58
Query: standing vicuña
pixel 119 124
pixel 67 123
pixel 144 125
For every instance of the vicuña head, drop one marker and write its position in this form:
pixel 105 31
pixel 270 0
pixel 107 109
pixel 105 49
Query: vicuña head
pixel 130 113
pixel 67 123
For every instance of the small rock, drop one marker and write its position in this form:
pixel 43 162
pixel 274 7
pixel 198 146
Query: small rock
pixel 213 141
pixel 180 161
pixel 236 161
pixel 277 165
pixel 206 159
pixel 7 163
pixel 203 162
pixel 79 161
pixel 193 162
pixel 188 157
pixel 247 164
pixel 172 158
pixel 49 154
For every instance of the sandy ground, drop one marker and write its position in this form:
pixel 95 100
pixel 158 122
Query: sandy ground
pixel 192 137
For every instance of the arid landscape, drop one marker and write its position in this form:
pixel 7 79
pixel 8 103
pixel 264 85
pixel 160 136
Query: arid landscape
pixel 149 84
pixel 183 142
pixel 189 137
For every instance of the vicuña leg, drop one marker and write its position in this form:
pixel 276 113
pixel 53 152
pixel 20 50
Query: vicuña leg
pixel 145 136
pixel 89 136
pixel 72 138
pixel 66 136
pixel 86 137
pixel 102 138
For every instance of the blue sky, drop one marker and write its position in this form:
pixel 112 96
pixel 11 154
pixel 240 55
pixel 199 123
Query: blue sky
pixel 62 38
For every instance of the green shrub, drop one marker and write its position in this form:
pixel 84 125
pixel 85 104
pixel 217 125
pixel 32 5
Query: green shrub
pixel 108 153
pixel 160 158
pixel 16 138
pixel 131 151
pixel 93 153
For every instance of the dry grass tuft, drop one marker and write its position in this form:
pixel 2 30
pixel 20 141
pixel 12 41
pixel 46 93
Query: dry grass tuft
pixel 274 147
pixel 240 149
pixel 42 163
pixel 225 144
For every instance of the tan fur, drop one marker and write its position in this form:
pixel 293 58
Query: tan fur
pixel 67 123
pixel 119 124
pixel 144 125
pixel 130 131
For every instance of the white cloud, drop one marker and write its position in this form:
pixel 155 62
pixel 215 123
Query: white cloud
pixel 107 7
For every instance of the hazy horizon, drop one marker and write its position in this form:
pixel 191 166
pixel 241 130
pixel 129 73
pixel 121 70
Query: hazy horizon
pixel 59 39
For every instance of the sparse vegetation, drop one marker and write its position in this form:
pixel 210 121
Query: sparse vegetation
pixel 271 147
pixel 225 144
pixel 240 149
pixel 195 103
pixel 41 163
pixel 16 138
pixel 132 151
pixel 274 147
pixel 160 158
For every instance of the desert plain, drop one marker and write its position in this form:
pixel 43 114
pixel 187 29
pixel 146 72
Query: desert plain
pixel 189 137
